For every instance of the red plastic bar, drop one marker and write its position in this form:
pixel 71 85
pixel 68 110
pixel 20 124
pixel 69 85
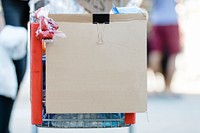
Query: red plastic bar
pixel 36 75
pixel 130 118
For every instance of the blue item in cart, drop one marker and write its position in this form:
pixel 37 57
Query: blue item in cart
pixel 115 10
pixel 125 10
pixel 114 116
pixel 109 124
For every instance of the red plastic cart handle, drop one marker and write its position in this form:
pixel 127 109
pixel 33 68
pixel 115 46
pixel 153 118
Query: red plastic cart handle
pixel 130 118
pixel 36 76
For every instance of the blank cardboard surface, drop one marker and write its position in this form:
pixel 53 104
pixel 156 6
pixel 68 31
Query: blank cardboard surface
pixel 86 77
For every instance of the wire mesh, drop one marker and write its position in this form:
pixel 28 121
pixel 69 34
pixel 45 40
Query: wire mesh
pixel 98 120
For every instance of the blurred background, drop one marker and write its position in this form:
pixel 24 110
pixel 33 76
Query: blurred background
pixel 176 113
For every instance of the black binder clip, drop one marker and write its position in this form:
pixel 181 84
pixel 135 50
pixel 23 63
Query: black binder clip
pixel 101 18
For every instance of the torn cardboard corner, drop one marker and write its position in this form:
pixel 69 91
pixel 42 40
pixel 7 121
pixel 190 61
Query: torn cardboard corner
pixel 86 77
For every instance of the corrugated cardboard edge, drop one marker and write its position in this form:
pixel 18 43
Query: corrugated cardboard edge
pixel 87 18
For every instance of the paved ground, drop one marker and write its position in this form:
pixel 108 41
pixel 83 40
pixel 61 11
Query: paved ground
pixel 168 114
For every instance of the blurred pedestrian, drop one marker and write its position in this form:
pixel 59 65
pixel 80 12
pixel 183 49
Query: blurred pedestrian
pixel 164 38
pixel 16 15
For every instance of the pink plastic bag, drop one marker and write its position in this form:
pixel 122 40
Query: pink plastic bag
pixel 47 27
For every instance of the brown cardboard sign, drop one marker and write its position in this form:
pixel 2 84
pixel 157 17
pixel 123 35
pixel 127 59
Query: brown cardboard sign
pixel 86 76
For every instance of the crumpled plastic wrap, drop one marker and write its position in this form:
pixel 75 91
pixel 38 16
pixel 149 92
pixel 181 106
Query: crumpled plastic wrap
pixel 47 27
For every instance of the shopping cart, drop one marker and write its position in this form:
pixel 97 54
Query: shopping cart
pixel 93 121
pixel 86 120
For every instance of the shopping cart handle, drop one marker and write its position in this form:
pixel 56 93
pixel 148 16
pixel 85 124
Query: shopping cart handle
pixel 36 75
pixel 130 118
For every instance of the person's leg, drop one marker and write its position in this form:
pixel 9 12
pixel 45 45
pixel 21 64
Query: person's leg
pixel 6 105
pixel 173 46
pixel 170 71
pixel 155 59
pixel 155 55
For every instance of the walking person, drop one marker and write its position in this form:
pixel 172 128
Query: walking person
pixel 164 39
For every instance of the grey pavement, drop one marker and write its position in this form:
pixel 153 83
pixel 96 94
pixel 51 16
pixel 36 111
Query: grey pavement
pixel 166 114
pixel 171 114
